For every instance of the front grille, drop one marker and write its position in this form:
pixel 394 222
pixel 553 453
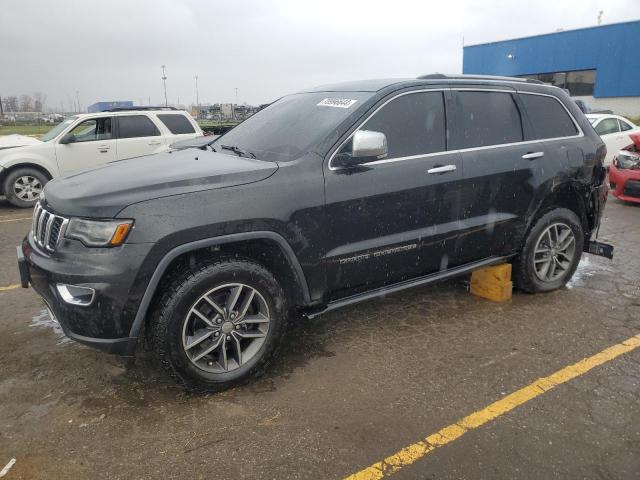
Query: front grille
pixel 47 228
pixel 631 188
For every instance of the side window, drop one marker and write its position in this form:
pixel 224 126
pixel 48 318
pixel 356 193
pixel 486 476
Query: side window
pixel 624 126
pixel 607 126
pixel 414 124
pixel 548 117
pixel 486 118
pixel 176 123
pixel 92 130
pixel 132 126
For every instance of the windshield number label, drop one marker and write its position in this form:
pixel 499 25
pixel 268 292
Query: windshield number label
pixel 337 102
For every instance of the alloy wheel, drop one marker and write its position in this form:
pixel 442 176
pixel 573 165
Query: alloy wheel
pixel 27 188
pixel 225 328
pixel 554 252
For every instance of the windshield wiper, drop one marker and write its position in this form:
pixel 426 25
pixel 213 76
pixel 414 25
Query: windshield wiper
pixel 238 151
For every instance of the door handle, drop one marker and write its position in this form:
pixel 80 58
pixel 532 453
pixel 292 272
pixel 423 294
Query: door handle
pixel 532 155
pixel 104 148
pixel 154 143
pixel 441 169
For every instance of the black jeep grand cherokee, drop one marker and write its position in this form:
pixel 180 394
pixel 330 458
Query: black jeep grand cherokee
pixel 323 199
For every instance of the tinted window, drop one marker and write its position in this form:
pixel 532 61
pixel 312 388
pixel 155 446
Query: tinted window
pixel 606 126
pixel 92 130
pixel 548 117
pixel 414 124
pixel 176 124
pixel 486 118
pixel 624 126
pixel 136 126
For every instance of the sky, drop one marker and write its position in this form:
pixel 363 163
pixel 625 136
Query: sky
pixel 113 50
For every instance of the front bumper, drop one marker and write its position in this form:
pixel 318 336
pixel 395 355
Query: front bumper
pixel 625 184
pixel 105 323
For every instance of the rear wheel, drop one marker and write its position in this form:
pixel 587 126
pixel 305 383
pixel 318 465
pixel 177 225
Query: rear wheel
pixel 551 252
pixel 23 186
pixel 219 324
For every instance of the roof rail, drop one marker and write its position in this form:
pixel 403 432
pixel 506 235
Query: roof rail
pixel 127 109
pixel 442 76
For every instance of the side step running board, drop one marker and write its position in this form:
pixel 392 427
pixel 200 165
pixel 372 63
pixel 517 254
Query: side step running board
pixel 396 287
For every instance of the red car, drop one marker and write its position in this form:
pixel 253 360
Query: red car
pixel 624 173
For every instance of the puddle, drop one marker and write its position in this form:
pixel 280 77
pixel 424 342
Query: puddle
pixel 44 320
pixel 587 269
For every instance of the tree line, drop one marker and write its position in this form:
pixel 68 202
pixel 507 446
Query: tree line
pixel 24 103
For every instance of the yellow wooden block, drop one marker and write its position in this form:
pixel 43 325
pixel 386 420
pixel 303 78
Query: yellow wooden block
pixel 496 273
pixel 497 291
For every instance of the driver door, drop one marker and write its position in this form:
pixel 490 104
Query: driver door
pixel 396 218
pixel 92 145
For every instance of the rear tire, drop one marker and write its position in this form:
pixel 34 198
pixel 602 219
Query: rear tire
pixel 551 252
pixel 228 346
pixel 22 187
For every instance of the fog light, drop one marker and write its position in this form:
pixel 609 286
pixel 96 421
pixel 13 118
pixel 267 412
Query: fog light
pixel 75 295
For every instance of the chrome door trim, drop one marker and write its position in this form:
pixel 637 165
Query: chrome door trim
pixel 461 150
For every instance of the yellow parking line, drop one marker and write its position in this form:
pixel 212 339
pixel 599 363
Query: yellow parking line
pixel 10 287
pixel 414 452
pixel 15 219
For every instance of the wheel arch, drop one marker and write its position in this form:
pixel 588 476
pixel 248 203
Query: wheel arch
pixel 267 248
pixel 571 196
pixel 17 166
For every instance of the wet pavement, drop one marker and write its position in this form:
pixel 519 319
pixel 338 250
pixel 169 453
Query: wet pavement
pixel 351 387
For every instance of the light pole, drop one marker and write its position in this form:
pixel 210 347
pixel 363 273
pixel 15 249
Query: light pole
pixel 78 99
pixel 164 82
pixel 197 97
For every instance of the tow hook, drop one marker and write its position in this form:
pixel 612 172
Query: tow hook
pixel 600 249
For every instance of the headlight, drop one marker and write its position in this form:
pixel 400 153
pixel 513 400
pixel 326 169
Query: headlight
pixel 98 233
pixel 626 160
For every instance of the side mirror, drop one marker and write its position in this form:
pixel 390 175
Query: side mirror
pixel 366 146
pixel 68 138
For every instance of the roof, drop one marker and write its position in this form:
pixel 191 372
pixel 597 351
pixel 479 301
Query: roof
pixel 128 112
pixel 374 85
pixel 557 32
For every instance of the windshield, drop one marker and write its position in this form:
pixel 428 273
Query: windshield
pixel 55 131
pixel 287 128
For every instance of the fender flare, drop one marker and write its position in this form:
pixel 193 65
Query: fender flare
pixel 209 242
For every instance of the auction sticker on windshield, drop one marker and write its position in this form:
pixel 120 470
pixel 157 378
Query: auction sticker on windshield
pixel 337 102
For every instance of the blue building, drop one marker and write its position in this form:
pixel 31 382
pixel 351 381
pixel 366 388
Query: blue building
pixel 102 106
pixel 597 64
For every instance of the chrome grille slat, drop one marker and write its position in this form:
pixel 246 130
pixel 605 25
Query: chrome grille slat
pixel 47 228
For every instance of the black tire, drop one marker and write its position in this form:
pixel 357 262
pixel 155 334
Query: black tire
pixel 9 186
pixel 524 273
pixel 178 297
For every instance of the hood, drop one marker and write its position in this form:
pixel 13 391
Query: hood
pixel 15 140
pixel 105 191
pixel 197 142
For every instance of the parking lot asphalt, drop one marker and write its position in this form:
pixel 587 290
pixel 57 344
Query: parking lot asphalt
pixel 351 388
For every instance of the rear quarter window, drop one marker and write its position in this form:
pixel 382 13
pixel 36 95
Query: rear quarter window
pixel 177 124
pixel 548 117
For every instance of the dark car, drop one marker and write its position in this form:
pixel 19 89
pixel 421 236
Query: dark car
pixel 323 199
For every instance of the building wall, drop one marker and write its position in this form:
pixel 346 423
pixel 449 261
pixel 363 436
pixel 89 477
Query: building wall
pixel 610 49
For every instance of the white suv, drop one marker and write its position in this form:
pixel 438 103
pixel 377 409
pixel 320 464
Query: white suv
pixel 84 141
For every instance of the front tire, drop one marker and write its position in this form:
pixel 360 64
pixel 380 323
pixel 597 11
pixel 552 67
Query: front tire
pixel 551 252
pixel 22 187
pixel 219 324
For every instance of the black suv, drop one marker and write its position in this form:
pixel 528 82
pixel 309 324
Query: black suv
pixel 323 199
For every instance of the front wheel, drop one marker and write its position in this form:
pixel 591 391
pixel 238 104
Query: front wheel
pixel 23 187
pixel 551 252
pixel 219 324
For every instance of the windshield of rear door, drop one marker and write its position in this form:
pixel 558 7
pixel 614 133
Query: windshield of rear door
pixel 286 129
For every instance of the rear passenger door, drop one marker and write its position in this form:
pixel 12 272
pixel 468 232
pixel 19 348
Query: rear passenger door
pixel 499 172
pixel 138 136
